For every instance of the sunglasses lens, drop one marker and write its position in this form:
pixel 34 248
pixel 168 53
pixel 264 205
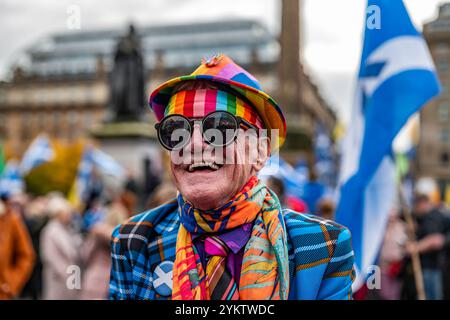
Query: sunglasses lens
pixel 174 132
pixel 219 128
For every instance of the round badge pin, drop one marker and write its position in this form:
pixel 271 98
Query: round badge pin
pixel 162 278
pixel 212 61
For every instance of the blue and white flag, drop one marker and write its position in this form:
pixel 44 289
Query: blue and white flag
pixel 11 181
pixel 107 164
pixel 39 151
pixel 80 188
pixel 325 159
pixel 92 158
pixel 293 180
pixel 396 78
pixel 302 170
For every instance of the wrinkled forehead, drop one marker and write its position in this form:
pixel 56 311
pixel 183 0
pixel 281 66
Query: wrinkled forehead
pixel 197 103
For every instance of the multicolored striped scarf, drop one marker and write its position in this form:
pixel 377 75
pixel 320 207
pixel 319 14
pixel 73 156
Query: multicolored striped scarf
pixel 264 272
pixel 200 102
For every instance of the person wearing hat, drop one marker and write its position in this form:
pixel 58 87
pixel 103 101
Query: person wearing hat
pixel 59 251
pixel 225 236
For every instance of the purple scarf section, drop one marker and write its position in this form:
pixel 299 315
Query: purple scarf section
pixel 235 239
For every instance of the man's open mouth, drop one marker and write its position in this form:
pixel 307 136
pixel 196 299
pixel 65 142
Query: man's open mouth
pixel 204 166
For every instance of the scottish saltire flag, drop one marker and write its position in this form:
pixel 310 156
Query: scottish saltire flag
pixel 92 158
pixel 80 188
pixel 302 170
pixel 39 151
pixel 396 78
pixel 11 181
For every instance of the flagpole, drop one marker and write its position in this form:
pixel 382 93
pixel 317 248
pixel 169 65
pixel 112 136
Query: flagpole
pixel 415 257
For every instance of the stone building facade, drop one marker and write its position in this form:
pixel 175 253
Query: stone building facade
pixel 63 88
pixel 433 159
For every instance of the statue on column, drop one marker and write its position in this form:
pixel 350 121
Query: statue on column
pixel 127 80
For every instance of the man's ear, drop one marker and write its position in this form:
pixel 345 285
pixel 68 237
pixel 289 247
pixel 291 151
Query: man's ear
pixel 263 153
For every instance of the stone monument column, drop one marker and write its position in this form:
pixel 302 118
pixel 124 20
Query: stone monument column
pixel 125 134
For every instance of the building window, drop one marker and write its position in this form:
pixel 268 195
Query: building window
pixel 444 87
pixel 441 49
pixel 2 126
pixel 443 112
pixel 442 66
pixel 26 126
pixel 73 124
pixel 56 123
pixel 89 120
pixel 42 123
pixel 444 135
pixel 72 117
pixel 2 96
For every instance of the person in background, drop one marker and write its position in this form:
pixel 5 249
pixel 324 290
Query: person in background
pixel 17 256
pixel 162 194
pixel 326 209
pixel 277 185
pixel 152 179
pixel 131 192
pixel 59 250
pixel 95 212
pixel 391 257
pixel 296 204
pixel 18 202
pixel 432 230
pixel 95 251
pixel 446 275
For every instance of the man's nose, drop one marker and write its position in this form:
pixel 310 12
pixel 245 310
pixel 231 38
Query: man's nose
pixel 197 142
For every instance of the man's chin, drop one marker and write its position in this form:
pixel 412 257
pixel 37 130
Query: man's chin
pixel 203 194
pixel 204 201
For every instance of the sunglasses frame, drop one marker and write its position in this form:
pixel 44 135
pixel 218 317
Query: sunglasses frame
pixel 240 122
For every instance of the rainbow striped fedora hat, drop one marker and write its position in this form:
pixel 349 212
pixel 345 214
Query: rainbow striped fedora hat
pixel 220 68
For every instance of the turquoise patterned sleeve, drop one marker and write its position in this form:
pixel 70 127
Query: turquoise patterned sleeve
pixel 340 273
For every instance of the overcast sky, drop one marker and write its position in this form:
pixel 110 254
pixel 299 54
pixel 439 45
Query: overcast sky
pixel 332 30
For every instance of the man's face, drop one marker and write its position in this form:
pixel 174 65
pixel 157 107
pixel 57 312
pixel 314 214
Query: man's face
pixel 423 206
pixel 211 176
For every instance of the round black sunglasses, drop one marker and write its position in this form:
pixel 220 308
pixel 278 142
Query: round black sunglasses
pixel 218 128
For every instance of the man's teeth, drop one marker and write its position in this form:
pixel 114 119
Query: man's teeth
pixel 203 165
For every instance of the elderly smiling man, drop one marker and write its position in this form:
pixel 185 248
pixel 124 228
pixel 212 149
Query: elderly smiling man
pixel 225 237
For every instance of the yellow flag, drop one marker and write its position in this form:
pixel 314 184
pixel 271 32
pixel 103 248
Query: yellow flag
pixel 447 194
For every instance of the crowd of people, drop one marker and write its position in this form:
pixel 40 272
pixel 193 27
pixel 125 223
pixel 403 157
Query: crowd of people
pixel 431 230
pixel 431 225
pixel 42 238
pixel 51 249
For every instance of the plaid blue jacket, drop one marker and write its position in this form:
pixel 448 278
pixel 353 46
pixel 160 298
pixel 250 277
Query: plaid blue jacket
pixel 143 250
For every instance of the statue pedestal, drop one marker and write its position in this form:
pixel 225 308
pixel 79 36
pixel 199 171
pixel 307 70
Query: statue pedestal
pixel 134 145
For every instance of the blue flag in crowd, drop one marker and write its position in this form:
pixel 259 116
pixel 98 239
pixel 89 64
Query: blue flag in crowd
pixel 396 78
pixel 107 164
pixel 293 179
pixel 92 158
pixel 38 152
pixel 79 192
pixel 11 180
pixel 325 158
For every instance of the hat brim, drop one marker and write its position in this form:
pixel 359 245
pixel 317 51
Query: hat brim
pixel 268 110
